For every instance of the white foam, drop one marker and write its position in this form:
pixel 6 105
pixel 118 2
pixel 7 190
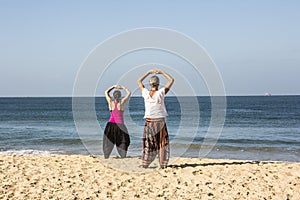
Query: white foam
pixel 28 152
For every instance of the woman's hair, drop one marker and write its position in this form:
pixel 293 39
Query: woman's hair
pixel 117 95
pixel 154 81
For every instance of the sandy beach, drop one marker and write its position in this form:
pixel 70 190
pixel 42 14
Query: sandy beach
pixel 88 177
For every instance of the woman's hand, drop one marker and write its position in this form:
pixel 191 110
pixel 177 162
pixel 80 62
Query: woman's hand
pixel 151 71
pixel 118 86
pixel 155 71
pixel 159 71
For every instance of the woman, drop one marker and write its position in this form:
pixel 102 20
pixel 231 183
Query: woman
pixel 155 138
pixel 115 132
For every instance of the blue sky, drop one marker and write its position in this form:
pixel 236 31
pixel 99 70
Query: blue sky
pixel 255 44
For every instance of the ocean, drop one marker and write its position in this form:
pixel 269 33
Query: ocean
pixel 265 128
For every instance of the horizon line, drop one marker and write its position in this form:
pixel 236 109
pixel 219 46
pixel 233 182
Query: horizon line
pixel 70 96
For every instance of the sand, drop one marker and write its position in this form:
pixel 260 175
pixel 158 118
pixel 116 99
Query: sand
pixel 87 177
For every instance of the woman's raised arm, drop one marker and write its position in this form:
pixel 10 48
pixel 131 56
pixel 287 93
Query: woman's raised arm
pixel 141 79
pixel 107 96
pixel 169 78
pixel 128 93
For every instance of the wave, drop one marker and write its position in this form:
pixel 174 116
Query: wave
pixel 235 148
pixel 241 141
pixel 30 152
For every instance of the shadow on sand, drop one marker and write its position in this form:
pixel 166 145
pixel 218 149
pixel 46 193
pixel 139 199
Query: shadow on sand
pixel 216 163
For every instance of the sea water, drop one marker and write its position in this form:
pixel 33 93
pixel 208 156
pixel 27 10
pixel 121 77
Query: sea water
pixel 255 127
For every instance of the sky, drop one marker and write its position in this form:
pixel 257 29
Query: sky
pixel 254 44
